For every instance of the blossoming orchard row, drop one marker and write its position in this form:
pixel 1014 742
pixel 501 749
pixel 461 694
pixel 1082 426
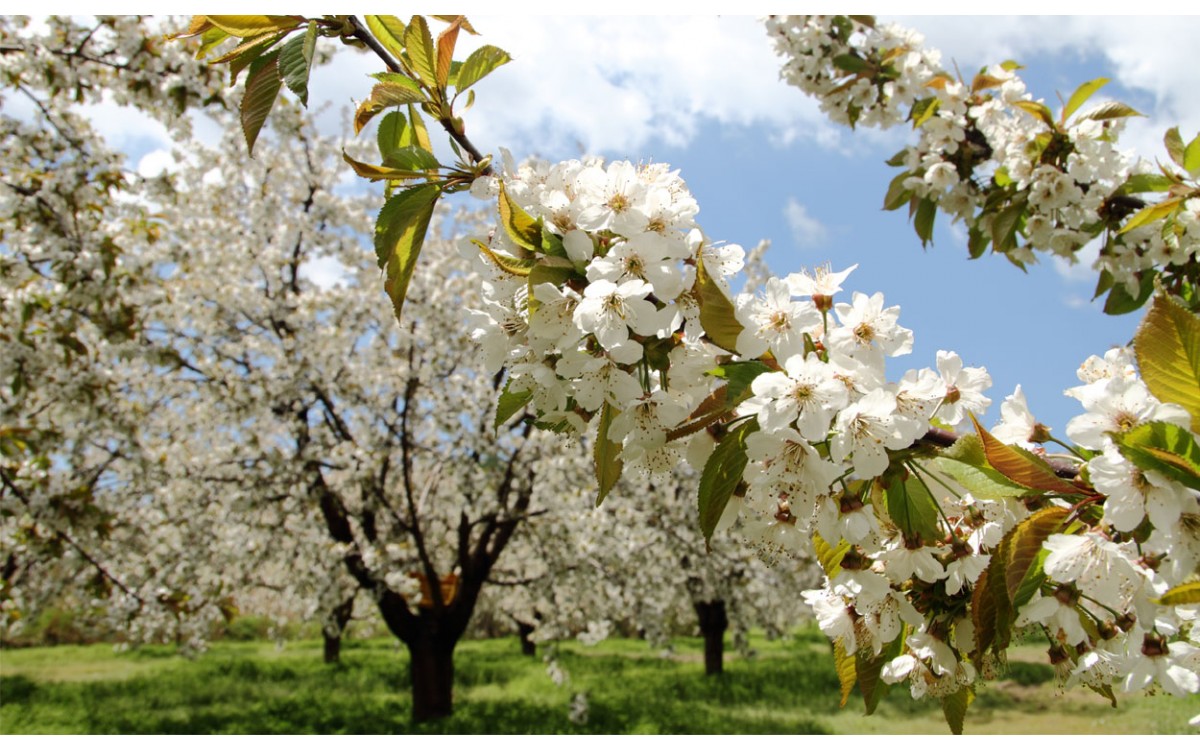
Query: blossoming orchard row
pixel 606 305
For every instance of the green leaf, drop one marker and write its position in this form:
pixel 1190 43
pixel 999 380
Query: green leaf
pixel 374 172
pixel 851 63
pixel 983 482
pixel 261 89
pixel 740 376
pixel 1022 545
pixel 1119 301
pixel 420 133
pixel 977 242
pixel 607 455
pixel 1191 157
pixel 1151 213
pixel 1112 111
pixel 389 30
pixel 897 194
pixel 247 26
pixel 295 62
pixel 1032 581
pixel 923 221
pixel 1038 110
pixel 722 473
pixel 390 132
pixel 923 109
pixel 829 557
pixel 1167 345
pixel 419 43
pixel 1021 466
pixel 1187 593
pixel 396 91
pixel 1175 148
pixel 1163 447
pixel 509 404
pixel 913 509
pixel 507 263
pixel 479 64
pixel 399 235
pixel 521 228
pixel 412 158
pixel 1006 225
pixel 717 315
pixel 1081 95
pixel 867 668
pixel 954 707
pixel 845 665
pixel 543 273
pixel 985 608
pixel 1146 182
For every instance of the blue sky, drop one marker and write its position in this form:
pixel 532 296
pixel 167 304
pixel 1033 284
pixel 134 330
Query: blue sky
pixel 701 93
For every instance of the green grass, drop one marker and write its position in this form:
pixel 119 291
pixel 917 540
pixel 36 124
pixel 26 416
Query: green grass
pixel 788 688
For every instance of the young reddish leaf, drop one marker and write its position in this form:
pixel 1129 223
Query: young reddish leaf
pixel 1038 110
pixel 1167 345
pixel 607 455
pixel 445 50
pixel 261 89
pixel 1112 111
pixel 984 609
pixel 1020 465
pixel 1025 542
pixel 385 95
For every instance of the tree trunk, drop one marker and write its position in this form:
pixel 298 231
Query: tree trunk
pixel 332 632
pixel 528 647
pixel 713 624
pixel 333 648
pixel 431 669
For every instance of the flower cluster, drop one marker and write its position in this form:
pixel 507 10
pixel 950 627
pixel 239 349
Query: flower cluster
pixel 990 155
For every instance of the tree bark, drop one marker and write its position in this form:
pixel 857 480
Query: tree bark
pixel 333 641
pixel 528 647
pixel 431 670
pixel 713 624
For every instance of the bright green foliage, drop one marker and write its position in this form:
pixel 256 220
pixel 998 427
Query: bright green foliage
pixel 399 234
pixel 607 454
pixel 1167 344
pixel 1165 448
pixel 722 473
pixel 510 404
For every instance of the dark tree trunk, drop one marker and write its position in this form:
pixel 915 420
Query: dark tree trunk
pixel 333 630
pixel 431 669
pixel 528 647
pixel 333 648
pixel 713 624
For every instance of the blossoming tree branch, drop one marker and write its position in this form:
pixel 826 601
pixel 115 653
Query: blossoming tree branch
pixel 614 319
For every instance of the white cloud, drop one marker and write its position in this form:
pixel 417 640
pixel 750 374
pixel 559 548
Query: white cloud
pixel 807 231
pixel 155 162
pixel 1080 272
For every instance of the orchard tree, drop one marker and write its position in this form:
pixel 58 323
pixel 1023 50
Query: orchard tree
pixel 73 337
pixel 313 415
pixel 614 316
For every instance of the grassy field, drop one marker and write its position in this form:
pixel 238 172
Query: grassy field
pixel 787 688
